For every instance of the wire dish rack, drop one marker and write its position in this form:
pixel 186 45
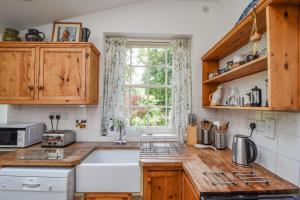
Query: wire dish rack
pixel 218 177
pixel 250 177
pixel 165 146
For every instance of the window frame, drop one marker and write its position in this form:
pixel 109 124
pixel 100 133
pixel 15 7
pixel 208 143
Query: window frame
pixel 150 129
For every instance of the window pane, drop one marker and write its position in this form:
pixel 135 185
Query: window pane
pixel 128 56
pixel 170 57
pixel 169 97
pixel 169 76
pixel 157 117
pixel 157 96
pixel 139 75
pixel 138 117
pixel 157 57
pixel 169 116
pixel 128 72
pixel 139 96
pixel 139 56
pixel 157 75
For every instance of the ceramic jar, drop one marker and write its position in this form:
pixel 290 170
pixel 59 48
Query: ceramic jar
pixel 11 34
pixel 34 35
pixel 216 97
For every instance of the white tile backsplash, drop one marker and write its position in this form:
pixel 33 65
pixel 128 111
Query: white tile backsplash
pixel 268 159
pixel 288 169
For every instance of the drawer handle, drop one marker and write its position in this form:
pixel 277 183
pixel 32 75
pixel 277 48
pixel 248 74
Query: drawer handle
pixel 40 87
pixel 30 87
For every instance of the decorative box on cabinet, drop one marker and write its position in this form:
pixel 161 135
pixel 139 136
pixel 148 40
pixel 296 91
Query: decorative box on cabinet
pixel 49 73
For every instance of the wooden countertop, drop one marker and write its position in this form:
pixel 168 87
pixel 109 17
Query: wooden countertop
pixel 193 162
pixel 208 160
pixel 74 154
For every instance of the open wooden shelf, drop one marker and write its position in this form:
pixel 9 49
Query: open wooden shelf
pixel 238 108
pixel 238 36
pixel 255 66
pixel 279 19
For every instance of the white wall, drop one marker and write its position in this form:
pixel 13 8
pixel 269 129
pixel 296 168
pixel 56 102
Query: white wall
pixel 154 17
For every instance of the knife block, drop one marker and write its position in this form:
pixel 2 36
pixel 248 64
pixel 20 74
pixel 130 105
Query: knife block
pixel 191 132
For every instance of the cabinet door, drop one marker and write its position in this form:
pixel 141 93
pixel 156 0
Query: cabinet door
pixel 107 196
pixel 17 68
pixel 163 185
pixel 62 75
pixel 188 192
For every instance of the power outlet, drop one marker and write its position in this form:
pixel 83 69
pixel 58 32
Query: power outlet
pixel 260 125
pixel 63 115
pixel 270 128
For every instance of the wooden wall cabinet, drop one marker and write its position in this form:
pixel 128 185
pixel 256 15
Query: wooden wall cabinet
pixel 279 19
pixel 162 183
pixel 49 73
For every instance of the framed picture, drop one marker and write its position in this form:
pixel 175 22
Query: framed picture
pixel 66 32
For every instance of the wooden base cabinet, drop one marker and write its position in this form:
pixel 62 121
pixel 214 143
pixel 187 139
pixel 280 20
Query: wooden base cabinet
pixel 188 191
pixel 162 183
pixel 49 73
pixel 107 196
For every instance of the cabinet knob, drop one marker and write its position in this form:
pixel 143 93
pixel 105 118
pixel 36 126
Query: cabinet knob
pixel 30 87
pixel 149 180
pixel 40 87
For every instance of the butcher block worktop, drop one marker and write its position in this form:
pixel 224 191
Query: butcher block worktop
pixel 209 160
pixel 73 154
pixel 194 162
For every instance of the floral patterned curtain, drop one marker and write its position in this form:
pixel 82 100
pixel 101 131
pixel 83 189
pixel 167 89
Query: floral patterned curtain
pixel 182 83
pixel 114 92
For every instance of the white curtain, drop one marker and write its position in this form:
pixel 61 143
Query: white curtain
pixel 114 92
pixel 182 86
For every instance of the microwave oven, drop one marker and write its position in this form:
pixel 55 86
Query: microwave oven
pixel 20 134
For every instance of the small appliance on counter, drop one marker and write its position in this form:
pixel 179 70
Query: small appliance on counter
pixel 244 150
pixel 58 138
pixel 15 135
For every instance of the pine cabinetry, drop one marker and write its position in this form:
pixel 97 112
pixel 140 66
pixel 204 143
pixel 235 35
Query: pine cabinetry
pixel 17 69
pixel 279 19
pixel 164 183
pixel 188 191
pixel 49 73
pixel 108 196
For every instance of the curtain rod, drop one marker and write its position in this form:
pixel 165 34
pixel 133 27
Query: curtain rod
pixel 149 40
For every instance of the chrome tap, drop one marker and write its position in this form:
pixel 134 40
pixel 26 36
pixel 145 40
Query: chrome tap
pixel 121 140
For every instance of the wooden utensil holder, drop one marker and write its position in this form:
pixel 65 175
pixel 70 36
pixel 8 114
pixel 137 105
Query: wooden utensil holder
pixel 191 132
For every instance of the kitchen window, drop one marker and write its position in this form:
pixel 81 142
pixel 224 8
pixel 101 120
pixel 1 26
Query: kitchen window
pixel 148 84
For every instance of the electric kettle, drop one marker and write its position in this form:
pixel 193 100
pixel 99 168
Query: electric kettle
pixel 244 150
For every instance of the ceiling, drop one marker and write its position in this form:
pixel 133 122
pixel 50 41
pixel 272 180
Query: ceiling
pixel 21 14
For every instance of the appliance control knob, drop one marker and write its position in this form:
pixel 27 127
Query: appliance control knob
pixel 49 187
pixel 3 185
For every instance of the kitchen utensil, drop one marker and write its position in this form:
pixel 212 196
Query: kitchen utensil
pixel 216 97
pixel 244 150
pixel 11 34
pixel 34 35
pixel 85 34
pixel 202 146
pixel 219 133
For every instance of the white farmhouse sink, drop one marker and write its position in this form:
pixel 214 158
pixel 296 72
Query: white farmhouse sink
pixel 109 171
